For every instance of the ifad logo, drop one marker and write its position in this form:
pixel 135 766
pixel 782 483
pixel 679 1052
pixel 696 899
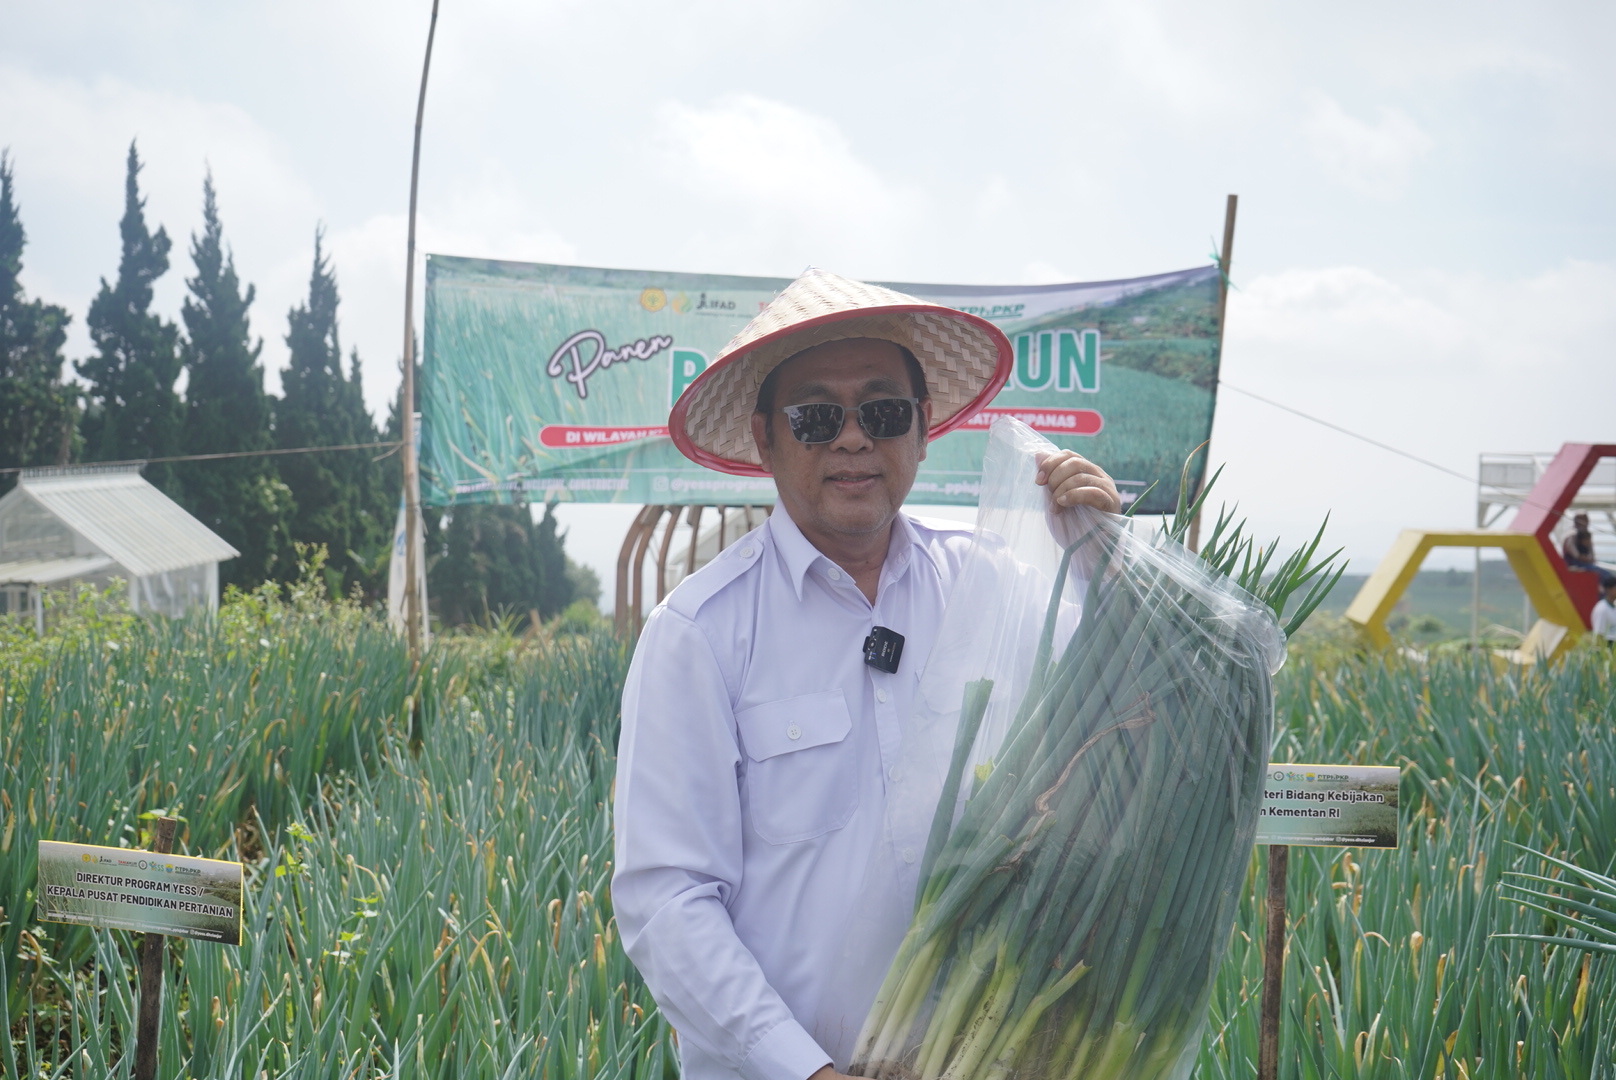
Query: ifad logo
pixel 1063 360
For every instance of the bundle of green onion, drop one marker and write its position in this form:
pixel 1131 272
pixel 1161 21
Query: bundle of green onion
pixel 1071 922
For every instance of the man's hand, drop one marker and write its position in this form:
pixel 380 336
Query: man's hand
pixel 828 1072
pixel 1074 480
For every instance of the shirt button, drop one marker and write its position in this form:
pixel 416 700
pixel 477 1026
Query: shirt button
pixel 793 732
pixel 881 695
pixel 908 854
pixel 895 773
pixel 835 574
pixel 747 552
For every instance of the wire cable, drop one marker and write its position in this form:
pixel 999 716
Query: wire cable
pixel 220 457
pixel 1353 434
pixel 1525 502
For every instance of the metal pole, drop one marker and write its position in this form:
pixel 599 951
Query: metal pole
pixel 412 476
pixel 151 975
pixel 1273 964
pixel 1475 601
pixel 1475 569
pixel 1224 261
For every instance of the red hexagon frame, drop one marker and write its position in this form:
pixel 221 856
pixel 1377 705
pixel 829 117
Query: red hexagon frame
pixel 1548 501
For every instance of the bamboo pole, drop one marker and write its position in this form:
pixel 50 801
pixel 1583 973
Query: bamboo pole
pixel 1224 261
pixel 631 566
pixel 412 476
pixel 695 536
pixel 643 523
pixel 662 555
pixel 637 571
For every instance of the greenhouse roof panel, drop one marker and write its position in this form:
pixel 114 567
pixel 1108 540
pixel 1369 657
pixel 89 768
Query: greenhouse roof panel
pixel 49 571
pixel 125 517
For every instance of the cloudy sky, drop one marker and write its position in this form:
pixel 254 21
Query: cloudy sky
pixel 1427 238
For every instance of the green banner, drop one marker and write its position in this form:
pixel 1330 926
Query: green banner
pixel 544 382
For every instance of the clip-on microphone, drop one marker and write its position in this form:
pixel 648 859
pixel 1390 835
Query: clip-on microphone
pixel 883 649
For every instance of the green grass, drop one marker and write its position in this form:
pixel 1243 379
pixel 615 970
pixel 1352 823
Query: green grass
pixel 1436 606
pixel 446 913
pixel 113 721
pixel 1394 967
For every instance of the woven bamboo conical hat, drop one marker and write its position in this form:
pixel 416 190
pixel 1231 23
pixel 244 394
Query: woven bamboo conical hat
pixel 966 360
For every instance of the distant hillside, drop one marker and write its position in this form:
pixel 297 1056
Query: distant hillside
pixel 1437 604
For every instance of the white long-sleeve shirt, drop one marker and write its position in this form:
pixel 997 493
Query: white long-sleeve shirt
pixel 1604 620
pixel 752 771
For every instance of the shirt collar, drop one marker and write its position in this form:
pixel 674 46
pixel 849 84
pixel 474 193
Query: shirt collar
pixel 799 554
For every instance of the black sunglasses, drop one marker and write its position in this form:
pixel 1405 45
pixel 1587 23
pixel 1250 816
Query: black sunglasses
pixel 821 421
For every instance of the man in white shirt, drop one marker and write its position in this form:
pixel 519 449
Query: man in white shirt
pixel 1604 616
pixel 758 735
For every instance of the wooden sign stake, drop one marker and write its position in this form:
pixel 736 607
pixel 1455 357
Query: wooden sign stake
pixel 151 975
pixel 1279 857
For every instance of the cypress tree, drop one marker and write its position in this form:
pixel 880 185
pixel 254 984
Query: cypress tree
pixel 489 561
pixel 226 411
pixel 489 566
pixel 38 412
pixel 340 497
pixel 134 410
pixel 495 560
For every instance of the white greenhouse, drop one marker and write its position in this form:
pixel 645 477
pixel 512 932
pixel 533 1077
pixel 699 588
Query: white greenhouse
pixel 93 523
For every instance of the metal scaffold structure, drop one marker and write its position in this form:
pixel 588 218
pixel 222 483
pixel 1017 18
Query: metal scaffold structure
pixel 1505 482
pixel 1545 492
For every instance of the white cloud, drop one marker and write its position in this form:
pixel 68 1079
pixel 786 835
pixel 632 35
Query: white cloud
pixel 64 130
pixel 996 197
pixel 1443 366
pixel 1345 315
pixel 68 140
pixel 791 173
pixel 1134 35
pixel 1039 272
pixel 369 262
pixel 1373 159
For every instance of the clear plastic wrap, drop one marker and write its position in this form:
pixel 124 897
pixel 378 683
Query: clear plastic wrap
pixel 1075 804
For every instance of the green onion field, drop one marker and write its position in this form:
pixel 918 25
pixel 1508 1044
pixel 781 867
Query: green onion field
pixel 428 861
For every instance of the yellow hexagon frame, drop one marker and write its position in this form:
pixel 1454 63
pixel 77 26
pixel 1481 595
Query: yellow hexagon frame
pixel 1558 627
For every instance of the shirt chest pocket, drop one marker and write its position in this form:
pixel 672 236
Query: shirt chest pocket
pixel 801 781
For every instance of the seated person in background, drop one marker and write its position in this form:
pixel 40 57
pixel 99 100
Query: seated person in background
pixel 1578 551
pixel 1604 617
